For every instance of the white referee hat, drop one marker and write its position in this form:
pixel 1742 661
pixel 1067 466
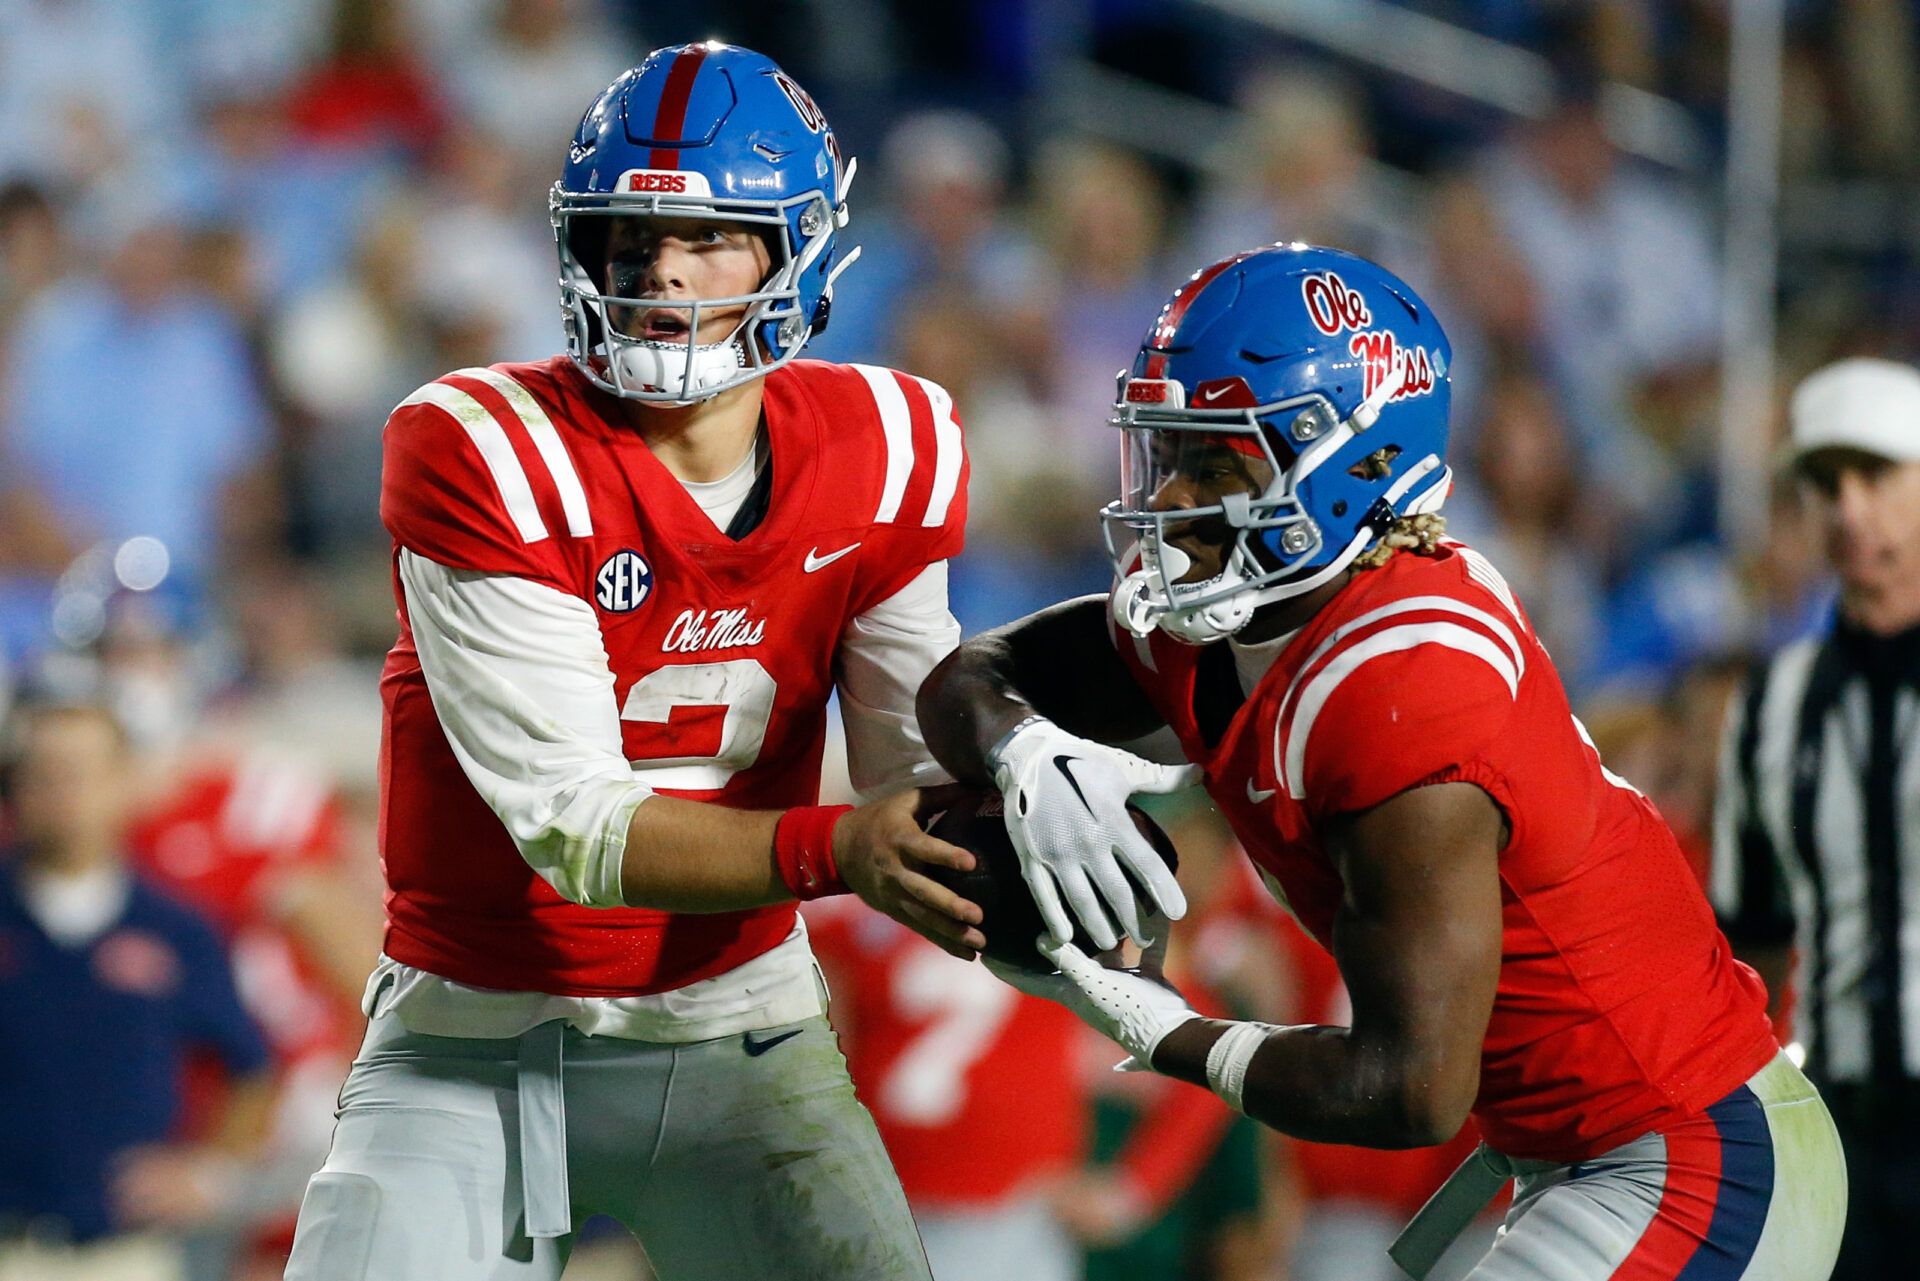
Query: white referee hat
pixel 1862 403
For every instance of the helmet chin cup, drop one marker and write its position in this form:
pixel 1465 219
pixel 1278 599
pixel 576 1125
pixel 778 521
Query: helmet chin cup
pixel 677 367
pixel 1206 624
pixel 1136 608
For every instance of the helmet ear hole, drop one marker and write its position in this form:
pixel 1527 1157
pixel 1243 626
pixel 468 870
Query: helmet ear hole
pixel 1375 466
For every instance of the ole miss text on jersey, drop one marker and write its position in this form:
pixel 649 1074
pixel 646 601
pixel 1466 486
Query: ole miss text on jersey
pixel 722 651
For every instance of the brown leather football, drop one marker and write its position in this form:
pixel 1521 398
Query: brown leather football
pixel 1010 918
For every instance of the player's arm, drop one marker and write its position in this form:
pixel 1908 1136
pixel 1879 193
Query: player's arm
pixel 1059 663
pixel 1417 937
pixel 521 685
pixel 1034 707
pixel 1418 941
pixel 885 652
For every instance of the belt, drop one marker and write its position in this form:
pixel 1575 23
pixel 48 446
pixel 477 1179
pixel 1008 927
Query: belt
pixel 543 1132
pixel 1467 1191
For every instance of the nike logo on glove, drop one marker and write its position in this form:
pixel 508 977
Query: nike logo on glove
pixel 816 561
pixel 756 1048
pixel 1060 763
pixel 1215 394
pixel 1259 796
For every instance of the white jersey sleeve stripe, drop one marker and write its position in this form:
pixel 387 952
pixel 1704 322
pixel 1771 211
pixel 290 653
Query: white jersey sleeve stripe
pixel 946 463
pixel 1292 767
pixel 896 422
pixel 491 440
pixel 1437 604
pixel 1481 571
pixel 573 498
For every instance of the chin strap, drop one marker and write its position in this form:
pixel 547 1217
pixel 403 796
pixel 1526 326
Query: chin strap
pixel 838 267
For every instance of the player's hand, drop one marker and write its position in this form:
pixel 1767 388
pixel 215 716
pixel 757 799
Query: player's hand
pixel 880 849
pixel 1066 801
pixel 1135 1007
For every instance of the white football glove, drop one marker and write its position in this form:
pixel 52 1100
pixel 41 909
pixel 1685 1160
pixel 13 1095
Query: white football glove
pixel 1066 804
pixel 1136 1008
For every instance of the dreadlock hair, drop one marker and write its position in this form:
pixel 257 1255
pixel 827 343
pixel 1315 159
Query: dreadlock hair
pixel 1420 534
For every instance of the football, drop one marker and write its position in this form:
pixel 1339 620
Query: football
pixel 1009 917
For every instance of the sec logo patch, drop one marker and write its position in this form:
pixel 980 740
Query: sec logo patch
pixel 623 583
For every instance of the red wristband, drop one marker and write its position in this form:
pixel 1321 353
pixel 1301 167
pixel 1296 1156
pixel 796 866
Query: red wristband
pixel 803 848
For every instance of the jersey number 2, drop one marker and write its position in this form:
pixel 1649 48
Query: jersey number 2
pixel 740 685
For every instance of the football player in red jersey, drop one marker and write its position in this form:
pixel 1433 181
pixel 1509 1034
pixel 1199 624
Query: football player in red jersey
pixel 629 579
pixel 1518 930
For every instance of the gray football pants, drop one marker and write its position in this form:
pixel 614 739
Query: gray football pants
pixel 745 1156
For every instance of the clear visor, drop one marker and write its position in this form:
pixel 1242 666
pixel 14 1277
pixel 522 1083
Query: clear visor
pixel 1198 482
pixel 1165 471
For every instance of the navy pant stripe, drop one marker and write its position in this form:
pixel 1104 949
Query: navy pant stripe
pixel 1746 1189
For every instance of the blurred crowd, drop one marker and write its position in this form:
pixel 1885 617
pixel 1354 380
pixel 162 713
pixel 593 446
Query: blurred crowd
pixel 234 233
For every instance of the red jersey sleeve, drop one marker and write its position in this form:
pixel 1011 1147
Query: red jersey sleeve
pixel 920 513
pixel 462 484
pixel 1417 699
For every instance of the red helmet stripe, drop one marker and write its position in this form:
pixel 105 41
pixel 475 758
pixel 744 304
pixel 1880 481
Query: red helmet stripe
pixel 1182 299
pixel 671 116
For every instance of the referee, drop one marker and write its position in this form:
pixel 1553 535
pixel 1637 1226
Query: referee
pixel 1816 866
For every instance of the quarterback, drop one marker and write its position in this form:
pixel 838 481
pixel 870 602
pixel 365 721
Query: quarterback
pixel 629 578
pixel 1369 708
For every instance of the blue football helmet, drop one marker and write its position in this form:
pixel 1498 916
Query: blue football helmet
pixel 1287 406
pixel 709 131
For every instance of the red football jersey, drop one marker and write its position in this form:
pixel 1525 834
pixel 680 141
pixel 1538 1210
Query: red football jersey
pixel 222 839
pixel 722 652
pixel 1619 1007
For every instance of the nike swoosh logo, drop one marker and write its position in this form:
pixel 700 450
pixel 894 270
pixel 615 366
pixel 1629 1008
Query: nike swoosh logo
pixel 756 1048
pixel 1215 394
pixel 816 561
pixel 1060 763
pixel 1259 796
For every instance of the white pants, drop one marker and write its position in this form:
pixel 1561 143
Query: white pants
pixel 744 1156
pixel 1753 1189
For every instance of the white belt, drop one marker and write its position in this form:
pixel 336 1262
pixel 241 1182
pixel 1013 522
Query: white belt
pixel 1467 1191
pixel 543 1132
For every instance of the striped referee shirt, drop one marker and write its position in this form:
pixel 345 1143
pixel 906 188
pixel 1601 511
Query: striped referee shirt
pixel 1817 843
